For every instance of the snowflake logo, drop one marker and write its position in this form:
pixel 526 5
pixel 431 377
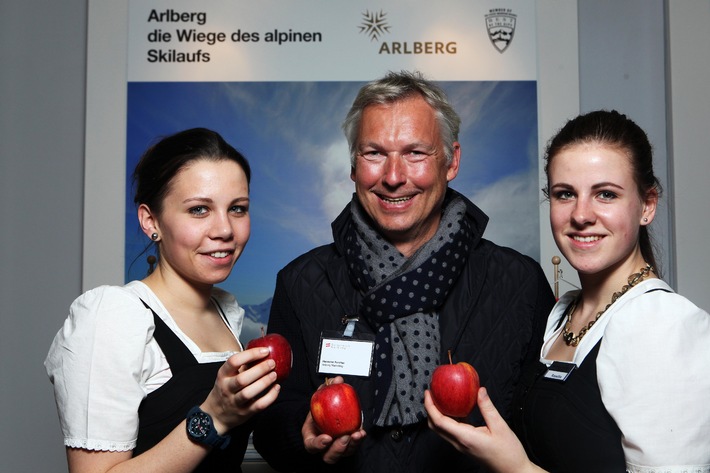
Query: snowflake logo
pixel 374 24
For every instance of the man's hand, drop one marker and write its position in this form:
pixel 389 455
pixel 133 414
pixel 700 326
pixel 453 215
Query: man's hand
pixel 332 450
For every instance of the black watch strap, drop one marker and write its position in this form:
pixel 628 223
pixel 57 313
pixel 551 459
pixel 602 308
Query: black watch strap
pixel 200 429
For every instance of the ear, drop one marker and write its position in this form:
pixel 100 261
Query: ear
pixel 453 169
pixel 147 220
pixel 352 173
pixel 650 203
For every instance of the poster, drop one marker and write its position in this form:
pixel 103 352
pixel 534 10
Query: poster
pixel 276 79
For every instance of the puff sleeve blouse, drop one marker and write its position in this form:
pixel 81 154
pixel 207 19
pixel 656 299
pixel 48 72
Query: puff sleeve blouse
pixel 104 361
pixel 653 370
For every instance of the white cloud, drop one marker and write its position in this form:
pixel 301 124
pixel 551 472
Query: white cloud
pixel 513 207
pixel 321 197
pixel 335 176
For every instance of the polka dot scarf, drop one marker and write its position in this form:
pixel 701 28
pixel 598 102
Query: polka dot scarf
pixel 401 300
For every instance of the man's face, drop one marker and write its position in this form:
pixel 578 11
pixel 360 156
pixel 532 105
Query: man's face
pixel 400 172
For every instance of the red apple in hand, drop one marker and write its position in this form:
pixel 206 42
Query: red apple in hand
pixel 336 409
pixel 279 351
pixel 454 388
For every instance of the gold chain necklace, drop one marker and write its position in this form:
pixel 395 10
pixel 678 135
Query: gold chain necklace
pixel 573 340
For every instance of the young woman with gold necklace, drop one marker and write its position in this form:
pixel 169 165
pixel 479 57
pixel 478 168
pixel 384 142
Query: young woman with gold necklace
pixel 622 382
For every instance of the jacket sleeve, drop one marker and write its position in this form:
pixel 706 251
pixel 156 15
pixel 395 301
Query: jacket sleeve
pixel 544 303
pixel 277 432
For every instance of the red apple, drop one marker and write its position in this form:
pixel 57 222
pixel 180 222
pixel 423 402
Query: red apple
pixel 454 388
pixel 279 351
pixel 336 409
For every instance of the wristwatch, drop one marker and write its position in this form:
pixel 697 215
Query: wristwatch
pixel 200 429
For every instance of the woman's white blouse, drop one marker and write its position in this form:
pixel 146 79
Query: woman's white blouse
pixel 104 361
pixel 653 370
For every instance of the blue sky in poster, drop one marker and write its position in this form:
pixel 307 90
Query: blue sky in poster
pixel 290 132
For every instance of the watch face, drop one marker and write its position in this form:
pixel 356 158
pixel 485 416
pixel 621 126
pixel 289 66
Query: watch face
pixel 198 425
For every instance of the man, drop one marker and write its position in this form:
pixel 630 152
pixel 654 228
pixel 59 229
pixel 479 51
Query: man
pixel 409 271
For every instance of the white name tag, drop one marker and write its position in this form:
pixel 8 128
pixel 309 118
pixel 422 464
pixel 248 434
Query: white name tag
pixel 345 356
pixel 560 370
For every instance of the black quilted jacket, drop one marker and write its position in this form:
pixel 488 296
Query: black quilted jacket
pixel 494 318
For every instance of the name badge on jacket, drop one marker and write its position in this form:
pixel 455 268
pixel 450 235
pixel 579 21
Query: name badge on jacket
pixel 343 355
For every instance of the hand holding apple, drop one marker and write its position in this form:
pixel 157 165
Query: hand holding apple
pixel 336 409
pixel 279 351
pixel 454 388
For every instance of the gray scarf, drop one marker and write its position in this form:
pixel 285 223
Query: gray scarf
pixel 401 300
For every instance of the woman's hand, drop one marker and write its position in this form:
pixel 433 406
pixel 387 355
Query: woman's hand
pixel 494 444
pixel 331 449
pixel 239 391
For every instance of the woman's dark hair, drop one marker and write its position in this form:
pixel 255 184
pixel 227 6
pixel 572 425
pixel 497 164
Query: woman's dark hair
pixel 161 162
pixel 613 129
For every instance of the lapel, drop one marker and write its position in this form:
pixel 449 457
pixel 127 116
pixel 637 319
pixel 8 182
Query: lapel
pixel 347 295
pixel 458 311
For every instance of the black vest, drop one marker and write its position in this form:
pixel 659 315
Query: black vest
pixel 564 425
pixel 167 406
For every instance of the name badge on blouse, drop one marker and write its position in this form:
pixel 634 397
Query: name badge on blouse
pixel 559 370
pixel 343 354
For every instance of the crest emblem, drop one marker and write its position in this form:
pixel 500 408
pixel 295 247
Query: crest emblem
pixel 500 24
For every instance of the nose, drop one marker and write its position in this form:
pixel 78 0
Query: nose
pixel 583 213
pixel 221 228
pixel 394 171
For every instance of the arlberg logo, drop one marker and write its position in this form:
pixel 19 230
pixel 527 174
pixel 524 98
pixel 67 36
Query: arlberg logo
pixel 500 23
pixel 375 25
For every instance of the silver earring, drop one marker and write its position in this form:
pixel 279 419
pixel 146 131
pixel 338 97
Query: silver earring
pixel 154 236
pixel 645 219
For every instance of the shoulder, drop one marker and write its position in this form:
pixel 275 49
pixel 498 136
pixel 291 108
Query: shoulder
pixel 311 262
pixel 109 299
pixel 501 261
pixel 318 276
pixel 653 302
pixel 101 322
pixel 653 322
pixel 116 309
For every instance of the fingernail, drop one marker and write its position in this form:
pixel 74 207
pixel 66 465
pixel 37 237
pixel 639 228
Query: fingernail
pixel 264 351
pixel 272 364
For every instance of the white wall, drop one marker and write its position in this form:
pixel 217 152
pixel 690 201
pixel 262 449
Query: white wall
pixel 613 74
pixel 42 64
pixel 42 90
pixel 689 131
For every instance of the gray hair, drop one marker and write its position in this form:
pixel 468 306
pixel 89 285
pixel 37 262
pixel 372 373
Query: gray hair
pixel 396 86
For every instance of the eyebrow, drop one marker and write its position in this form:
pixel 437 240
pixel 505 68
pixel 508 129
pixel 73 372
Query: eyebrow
pixel 595 186
pixel 429 147
pixel 209 200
